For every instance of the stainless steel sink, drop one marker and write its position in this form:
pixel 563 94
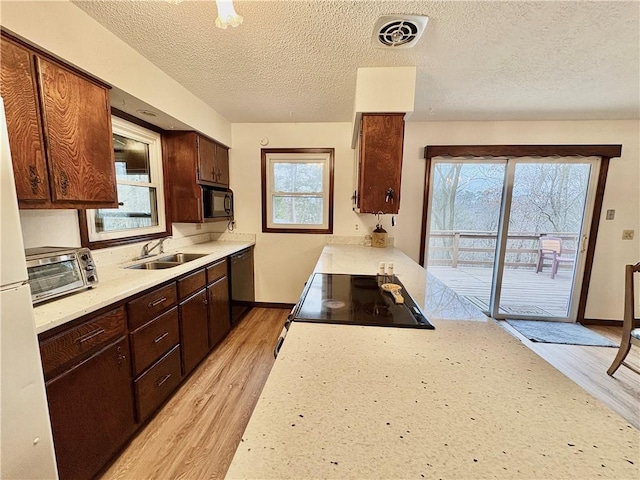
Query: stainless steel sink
pixel 168 262
pixel 182 257
pixel 155 265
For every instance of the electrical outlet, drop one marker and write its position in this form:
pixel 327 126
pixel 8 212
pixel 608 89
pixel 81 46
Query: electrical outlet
pixel 611 214
pixel 627 234
pixel 357 227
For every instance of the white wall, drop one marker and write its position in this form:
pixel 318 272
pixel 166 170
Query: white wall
pixel 67 32
pixel 606 292
pixel 285 261
pixel 60 228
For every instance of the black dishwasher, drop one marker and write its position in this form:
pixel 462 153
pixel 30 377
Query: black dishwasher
pixel 242 284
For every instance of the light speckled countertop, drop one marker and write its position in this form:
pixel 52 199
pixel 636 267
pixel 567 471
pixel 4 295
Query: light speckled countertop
pixel 117 283
pixel 466 400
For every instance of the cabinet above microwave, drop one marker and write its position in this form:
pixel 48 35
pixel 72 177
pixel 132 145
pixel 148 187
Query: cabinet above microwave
pixel 198 178
pixel 192 153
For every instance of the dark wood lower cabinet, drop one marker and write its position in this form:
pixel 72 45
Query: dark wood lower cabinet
pixel 109 372
pixel 194 337
pixel 91 409
pixel 219 314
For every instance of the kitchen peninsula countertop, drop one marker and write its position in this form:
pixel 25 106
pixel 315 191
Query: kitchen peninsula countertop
pixel 437 301
pixel 117 282
pixel 466 400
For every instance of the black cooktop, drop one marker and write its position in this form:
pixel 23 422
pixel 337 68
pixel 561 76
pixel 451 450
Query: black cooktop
pixel 357 300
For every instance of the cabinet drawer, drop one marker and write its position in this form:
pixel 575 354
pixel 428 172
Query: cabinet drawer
pixel 152 340
pixel 216 271
pixel 64 349
pixel 191 283
pixel 151 305
pixel 157 383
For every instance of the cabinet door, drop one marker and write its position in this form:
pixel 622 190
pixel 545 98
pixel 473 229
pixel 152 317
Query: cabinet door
pixel 91 409
pixel 77 125
pixel 222 165
pixel 380 162
pixel 206 160
pixel 181 149
pixel 18 89
pixel 194 329
pixel 219 314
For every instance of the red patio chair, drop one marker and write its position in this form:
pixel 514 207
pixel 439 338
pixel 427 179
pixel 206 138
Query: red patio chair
pixel 551 248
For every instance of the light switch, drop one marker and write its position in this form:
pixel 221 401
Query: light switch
pixel 611 213
pixel 627 234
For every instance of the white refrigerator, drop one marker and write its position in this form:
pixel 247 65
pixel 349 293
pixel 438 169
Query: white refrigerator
pixel 26 443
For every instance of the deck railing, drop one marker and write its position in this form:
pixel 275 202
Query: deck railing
pixel 457 247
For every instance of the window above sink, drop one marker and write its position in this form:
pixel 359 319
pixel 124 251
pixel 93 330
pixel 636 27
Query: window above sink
pixel 141 214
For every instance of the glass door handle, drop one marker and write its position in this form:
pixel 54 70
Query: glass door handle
pixel 583 244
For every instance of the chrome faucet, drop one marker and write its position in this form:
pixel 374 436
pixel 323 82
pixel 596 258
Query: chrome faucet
pixel 146 251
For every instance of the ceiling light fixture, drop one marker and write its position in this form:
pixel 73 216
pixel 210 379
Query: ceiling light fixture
pixel 227 14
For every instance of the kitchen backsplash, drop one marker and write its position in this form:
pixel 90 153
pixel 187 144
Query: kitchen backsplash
pixel 50 228
pixel 353 240
pixel 126 253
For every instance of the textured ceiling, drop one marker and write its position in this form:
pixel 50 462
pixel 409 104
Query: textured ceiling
pixel 296 61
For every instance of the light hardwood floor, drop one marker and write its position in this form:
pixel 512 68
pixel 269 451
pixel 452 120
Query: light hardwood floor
pixel 587 366
pixel 196 433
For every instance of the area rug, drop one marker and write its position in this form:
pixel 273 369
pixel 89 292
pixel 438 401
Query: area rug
pixel 560 332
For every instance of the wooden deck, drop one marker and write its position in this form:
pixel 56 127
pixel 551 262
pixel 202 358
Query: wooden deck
pixel 524 291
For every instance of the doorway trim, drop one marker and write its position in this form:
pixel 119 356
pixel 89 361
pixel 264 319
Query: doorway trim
pixel 605 152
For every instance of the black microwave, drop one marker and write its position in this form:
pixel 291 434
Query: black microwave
pixel 217 204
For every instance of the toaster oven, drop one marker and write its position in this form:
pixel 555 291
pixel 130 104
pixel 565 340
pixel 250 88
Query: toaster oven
pixel 56 271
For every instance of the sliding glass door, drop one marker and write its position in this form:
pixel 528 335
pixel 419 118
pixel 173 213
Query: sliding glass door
pixel 464 215
pixel 510 234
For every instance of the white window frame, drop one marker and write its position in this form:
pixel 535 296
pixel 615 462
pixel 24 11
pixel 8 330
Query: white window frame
pixel 154 140
pixel 303 155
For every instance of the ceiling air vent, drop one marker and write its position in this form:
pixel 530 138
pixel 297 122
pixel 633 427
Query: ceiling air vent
pixel 398 31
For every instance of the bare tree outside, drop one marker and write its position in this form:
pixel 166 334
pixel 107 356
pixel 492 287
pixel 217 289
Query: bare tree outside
pixel 298 197
pixel 548 198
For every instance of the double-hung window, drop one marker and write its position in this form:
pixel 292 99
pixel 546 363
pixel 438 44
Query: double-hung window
pixel 297 190
pixel 141 211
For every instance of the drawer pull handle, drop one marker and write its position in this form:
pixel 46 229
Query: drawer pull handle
pixel 158 302
pixel 90 335
pixel 162 380
pixel 161 337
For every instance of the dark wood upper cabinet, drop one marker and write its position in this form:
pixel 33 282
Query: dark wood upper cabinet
pixel 221 165
pixel 18 89
pixel 206 160
pixel 59 132
pixel 380 163
pixel 77 122
pixel 194 162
